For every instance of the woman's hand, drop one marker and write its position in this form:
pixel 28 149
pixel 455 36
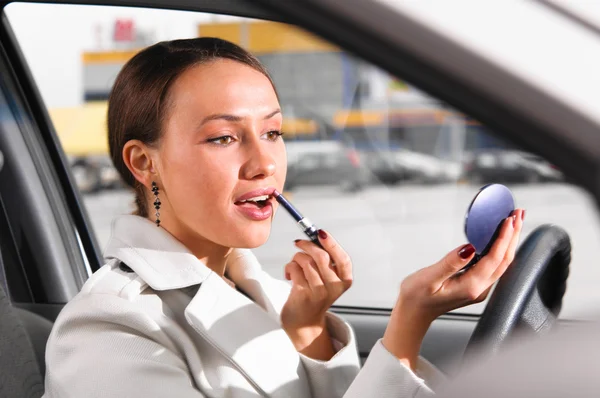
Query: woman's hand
pixel 316 284
pixel 437 289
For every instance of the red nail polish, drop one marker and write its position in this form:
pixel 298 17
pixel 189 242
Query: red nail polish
pixel 523 215
pixel 296 240
pixel 322 234
pixel 466 251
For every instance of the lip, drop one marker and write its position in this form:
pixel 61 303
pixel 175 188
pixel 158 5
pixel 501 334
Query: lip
pixel 257 192
pixel 255 213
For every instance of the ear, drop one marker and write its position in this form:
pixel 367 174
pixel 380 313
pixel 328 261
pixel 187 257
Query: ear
pixel 138 157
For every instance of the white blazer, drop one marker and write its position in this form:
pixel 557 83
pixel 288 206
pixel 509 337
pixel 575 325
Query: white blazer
pixel 156 322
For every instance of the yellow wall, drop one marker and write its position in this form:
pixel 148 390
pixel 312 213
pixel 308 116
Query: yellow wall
pixel 263 37
pixel 82 130
pixel 267 37
pixel 107 57
pixel 225 31
pixel 395 118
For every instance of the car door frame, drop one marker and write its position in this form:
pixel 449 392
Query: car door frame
pixel 382 47
pixel 43 185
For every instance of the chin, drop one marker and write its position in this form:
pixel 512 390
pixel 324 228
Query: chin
pixel 251 238
pixel 252 243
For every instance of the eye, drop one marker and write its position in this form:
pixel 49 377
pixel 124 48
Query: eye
pixel 223 140
pixel 273 135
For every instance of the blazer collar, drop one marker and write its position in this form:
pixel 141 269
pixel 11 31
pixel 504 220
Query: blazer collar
pixel 156 256
pixel 164 263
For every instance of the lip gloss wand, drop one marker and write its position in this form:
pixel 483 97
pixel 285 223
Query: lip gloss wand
pixel 305 225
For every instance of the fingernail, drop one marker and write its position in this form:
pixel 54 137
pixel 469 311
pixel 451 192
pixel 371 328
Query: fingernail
pixel 297 240
pixel 322 234
pixel 514 220
pixel 287 276
pixel 522 215
pixel 466 251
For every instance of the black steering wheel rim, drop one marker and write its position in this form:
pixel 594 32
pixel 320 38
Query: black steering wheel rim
pixel 529 294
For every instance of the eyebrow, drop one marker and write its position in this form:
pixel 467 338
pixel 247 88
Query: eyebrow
pixel 233 118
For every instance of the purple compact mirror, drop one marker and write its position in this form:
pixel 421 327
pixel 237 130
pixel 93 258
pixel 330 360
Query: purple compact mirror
pixel 492 204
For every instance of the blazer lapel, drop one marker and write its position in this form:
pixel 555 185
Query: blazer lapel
pixel 248 335
pixel 245 270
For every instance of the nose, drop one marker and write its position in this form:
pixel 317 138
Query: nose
pixel 260 161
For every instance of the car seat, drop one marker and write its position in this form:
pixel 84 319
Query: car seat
pixel 23 337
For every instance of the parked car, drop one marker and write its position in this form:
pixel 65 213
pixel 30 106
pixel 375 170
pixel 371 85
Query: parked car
pixel 391 166
pixel 504 166
pixel 95 173
pixel 382 166
pixel 427 168
pixel 317 162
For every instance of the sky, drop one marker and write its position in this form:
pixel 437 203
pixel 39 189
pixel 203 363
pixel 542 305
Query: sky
pixel 52 38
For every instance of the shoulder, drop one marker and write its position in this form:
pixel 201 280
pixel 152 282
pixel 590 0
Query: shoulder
pixel 115 327
pixel 114 278
pixel 111 298
pixel 113 308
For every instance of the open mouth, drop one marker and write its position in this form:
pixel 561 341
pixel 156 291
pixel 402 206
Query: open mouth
pixel 258 201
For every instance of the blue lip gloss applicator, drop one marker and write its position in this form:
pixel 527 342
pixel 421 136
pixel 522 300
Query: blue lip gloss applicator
pixel 303 223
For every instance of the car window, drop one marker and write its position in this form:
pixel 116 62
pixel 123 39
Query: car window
pixel 386 168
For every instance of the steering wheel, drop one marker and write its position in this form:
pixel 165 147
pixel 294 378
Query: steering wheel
pixel 528 297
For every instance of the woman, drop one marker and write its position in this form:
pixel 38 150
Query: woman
pixel 182 307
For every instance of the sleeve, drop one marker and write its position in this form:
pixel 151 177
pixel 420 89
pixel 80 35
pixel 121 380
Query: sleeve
pixel 392 379
pixel 383 375
pixel 104 347
pixel 330 379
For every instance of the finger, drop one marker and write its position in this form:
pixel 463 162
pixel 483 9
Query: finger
pixel 477 280
pixel 321 259
pixel 493 260
pixel 509 256
pixel 296 274
pixel 339 256
pixel 450 264
pixel 309 268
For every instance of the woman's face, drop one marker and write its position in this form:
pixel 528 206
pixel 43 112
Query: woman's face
pixel 221 155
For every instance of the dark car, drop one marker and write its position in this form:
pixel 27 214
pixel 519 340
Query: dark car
pixel 95 173
pixel 321 163
pixel 383 167
pixel 499 165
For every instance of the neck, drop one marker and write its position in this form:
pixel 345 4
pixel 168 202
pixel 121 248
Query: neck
pixel 214 256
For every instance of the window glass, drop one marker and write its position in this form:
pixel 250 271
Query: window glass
pixel 387 169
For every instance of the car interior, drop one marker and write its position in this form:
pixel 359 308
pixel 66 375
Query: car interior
pixel 48 248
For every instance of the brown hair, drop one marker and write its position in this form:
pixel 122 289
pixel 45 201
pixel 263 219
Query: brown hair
pixel 137 103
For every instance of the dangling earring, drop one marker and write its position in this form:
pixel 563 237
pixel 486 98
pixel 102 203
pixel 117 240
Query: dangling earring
pixel 156 203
